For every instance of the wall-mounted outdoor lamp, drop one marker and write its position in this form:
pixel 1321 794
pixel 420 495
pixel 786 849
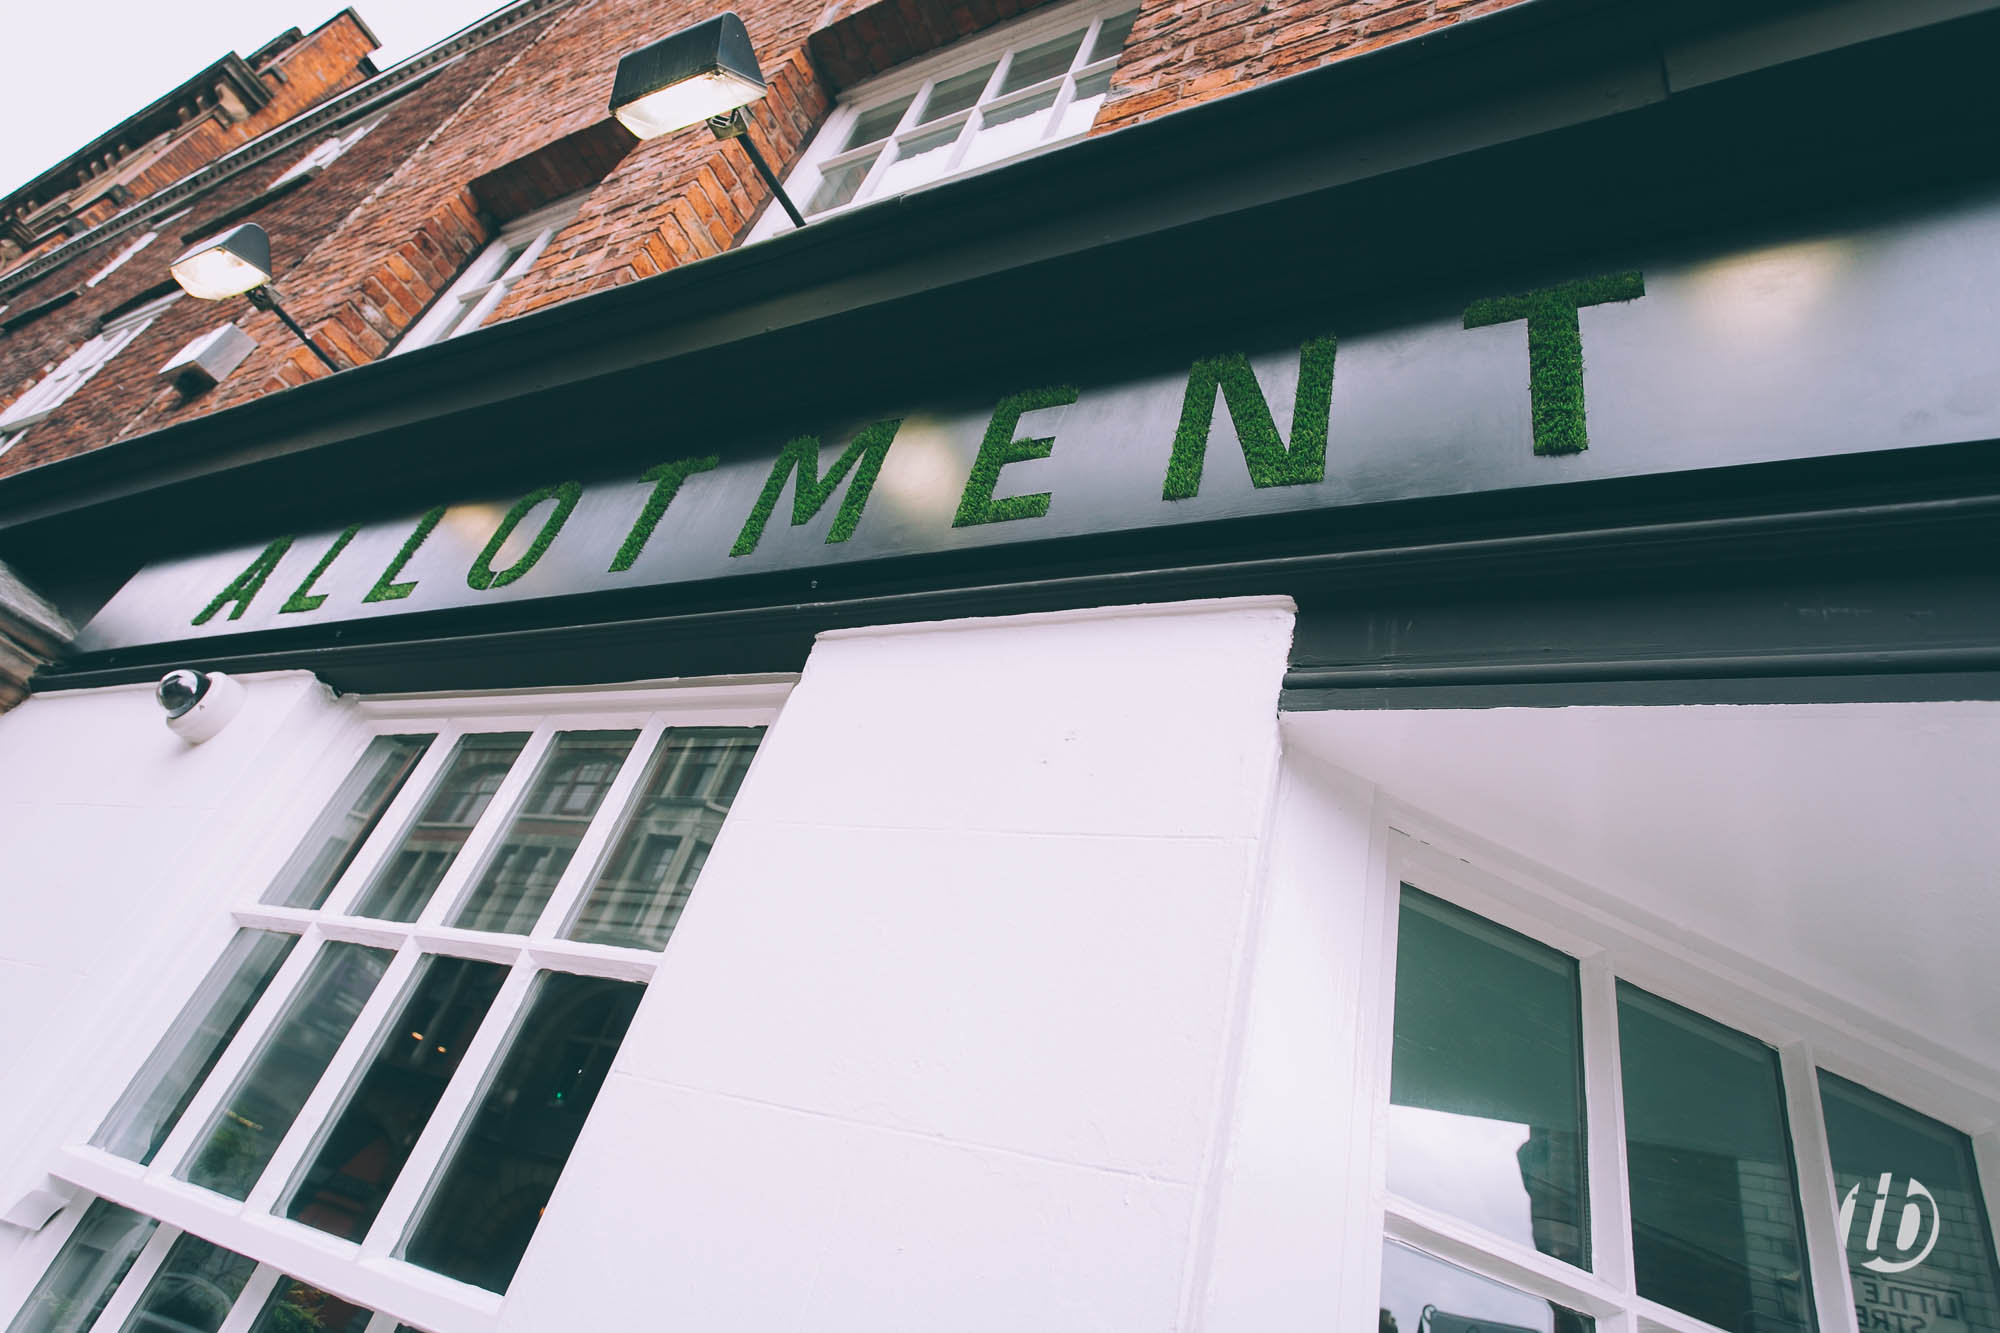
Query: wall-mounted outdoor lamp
pixel 706 72
pixel 238 263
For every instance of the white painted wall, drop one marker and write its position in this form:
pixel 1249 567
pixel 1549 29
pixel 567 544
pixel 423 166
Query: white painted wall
pixel 120 854
pixel 944 1039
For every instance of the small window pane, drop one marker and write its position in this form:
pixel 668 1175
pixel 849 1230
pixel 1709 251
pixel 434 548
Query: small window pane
pixel 1486 1114
pixel 921 158
pixel 1040 62
pixel 1918 1243
pixel 1422 1294
pixel 1013 128
pixel 475 772
pixel 1715 1206
pixel 88 1268
pixel 1081 112
pixel 1111 37
pixel 479 1222
pixel 951 96
pixel 296 1308
pixel 164 1086
pixel 839 185
pixel 246 1130
pixel 193 1290
pixel 578 771
pixel 874 126
pixel 646 880
pixel 360 1159
pixel 349 818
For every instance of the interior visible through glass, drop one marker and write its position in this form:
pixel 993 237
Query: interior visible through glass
pixel 1423 1294
pixel 246 1129
pixel 1486 1100
pixel 404 885
pixel 1919 1249
pixel 490 1197
pixel 1716 1229
pixel 645 882
pixel 193 1291
pixel 167 1082
pixel 360 1158
pixel 294 1307
pixel 524 869
pixel 88 1268
pixel 326 852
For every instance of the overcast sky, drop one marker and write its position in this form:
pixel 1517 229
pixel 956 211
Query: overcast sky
pixel 81 66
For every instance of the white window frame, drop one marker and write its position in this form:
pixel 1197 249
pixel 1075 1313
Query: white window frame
pixel 369 1274
pixel 470 300
pixel 56 388
pixel 914 80
pixel 1412 848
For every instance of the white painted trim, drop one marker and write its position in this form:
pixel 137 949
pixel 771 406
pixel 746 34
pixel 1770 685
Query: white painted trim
pixel 1210 606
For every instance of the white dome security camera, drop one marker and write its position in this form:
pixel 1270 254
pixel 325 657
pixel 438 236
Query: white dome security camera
pixel 199 704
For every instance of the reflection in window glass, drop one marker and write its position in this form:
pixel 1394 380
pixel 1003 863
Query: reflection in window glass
pixel 164 1086
pixel 478 1224
pixel 1040 62
pixel 238 1142
pixel 1111 35
pixel 193 1290
pixel 349 818
pixel 516 885
pixel 1918 1245
pixel 1421 1294
pixel 359 1161
pixel 919 158
pixel 296 1308
pixel 874 126
pixel 1012 128
pixel 474 774
pixel 645 882
pixel 88 1268
pixel 1486 1113
pixel 840 184
pixel 951 96
pixel 1716 1229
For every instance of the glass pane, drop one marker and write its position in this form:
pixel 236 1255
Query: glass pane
pixel 1918 1244
pixel 475 772
pixel 951 96
pixel 247 1128
pixel 921 158
pixel 1013 128
pixel 1111 37
pixel 193 1290
pixel 1040 62
pixel 1082 109
pixel 1715 1206
pixel 479 1222
pixel 1421 1294
pixel 88 1268
pixel 1486 1085
pixel 360 1159
pixel 874 126
pixel 349 818
pixel 839 184
pixel 646 880
pixel 296 1308
pixel 518 880
pixel 166 1083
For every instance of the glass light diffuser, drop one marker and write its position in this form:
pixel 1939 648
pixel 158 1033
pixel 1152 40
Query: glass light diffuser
pixel 226 265
pixel 690 102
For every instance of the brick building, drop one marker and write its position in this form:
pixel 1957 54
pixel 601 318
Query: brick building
pixel 1317 663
